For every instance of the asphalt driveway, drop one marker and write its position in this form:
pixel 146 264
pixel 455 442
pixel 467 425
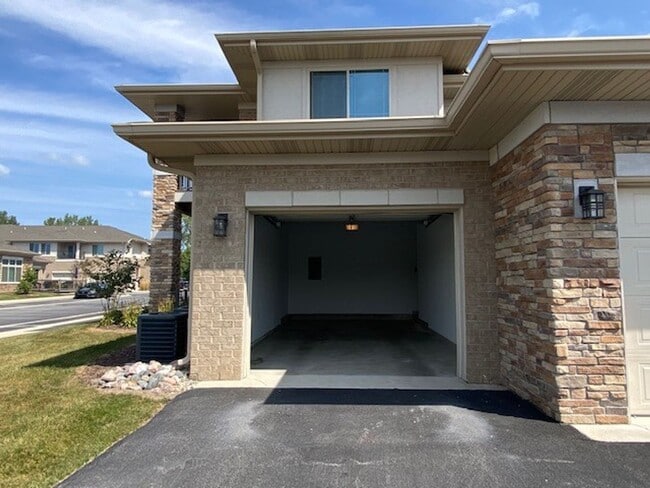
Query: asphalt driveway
pixel 360 438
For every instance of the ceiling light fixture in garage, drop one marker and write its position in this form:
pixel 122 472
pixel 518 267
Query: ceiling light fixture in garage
pixel 351 225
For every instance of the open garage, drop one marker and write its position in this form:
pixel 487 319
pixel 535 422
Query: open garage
pixel 354 294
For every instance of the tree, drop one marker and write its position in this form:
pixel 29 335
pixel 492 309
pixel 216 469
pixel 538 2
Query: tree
pixel 115 273
pixel 69 219
pixel 5 218
pixel 186 246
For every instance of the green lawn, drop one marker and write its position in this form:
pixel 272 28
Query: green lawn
pixel 50 423
pixel 37 294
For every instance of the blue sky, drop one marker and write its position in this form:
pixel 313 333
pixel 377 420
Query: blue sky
pixel 61 59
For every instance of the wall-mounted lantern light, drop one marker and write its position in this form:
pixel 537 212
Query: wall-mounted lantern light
pixel 592 202
pixel 351 225
pixel 221 225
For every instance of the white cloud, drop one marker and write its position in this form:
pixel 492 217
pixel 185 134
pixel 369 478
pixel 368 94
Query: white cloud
pixel 154 33
pixel 4 170
pixel 581 24
pixel 511 11
pixel 144 193
pixel 68 159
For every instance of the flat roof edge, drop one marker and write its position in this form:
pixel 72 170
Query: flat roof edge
pixel 355 33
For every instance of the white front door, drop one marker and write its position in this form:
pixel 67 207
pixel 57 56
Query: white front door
pixel 634 228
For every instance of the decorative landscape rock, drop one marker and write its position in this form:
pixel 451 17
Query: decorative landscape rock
pixel 140 376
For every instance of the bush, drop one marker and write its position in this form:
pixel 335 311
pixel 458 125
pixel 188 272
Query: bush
pixel 27 281
pixel 130 316
pixel 165 305
pixel 144 284
pixel 23 288
pixel 111 317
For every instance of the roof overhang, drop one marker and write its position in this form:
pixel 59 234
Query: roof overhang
pixel 245 52
pixel 510 79
pixel 200 101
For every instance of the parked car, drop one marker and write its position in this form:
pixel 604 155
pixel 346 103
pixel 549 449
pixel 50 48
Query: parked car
pixel 90 290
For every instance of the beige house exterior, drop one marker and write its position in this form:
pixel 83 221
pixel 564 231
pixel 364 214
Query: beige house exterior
pixel 543 300
pixel 58 251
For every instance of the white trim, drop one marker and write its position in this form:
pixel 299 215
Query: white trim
pixel 632 164
pixel 340 158
pixel 459 259
pixel 411 197
pixel 621 112
pixel 461 325
pixel 165 234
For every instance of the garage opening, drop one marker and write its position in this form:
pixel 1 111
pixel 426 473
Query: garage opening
pixel 354 295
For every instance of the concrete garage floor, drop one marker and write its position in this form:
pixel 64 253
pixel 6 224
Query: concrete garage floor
pixel 355 347
pixel 360 438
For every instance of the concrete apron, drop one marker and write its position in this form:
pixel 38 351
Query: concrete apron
pixel 638 430
pixel 277 378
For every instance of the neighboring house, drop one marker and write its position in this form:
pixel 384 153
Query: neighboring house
pixel 58 251
pixel 13 261
pixel 466 187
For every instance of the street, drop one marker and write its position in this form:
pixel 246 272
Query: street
pixel 16 317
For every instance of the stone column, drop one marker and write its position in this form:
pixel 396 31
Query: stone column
pixel 165 255
pixel 165 240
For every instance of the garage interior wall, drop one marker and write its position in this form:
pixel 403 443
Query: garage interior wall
pixel 371 271
pixel 436 276
pixel 270 278
pixel 393 267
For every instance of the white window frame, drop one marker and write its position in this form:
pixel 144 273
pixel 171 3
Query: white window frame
pixel 347 71
pixel 38 247
pixel 12 266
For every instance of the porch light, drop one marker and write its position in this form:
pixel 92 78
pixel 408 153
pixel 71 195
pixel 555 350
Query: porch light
pixel 221 225
pixel 592 202
pixel 351 225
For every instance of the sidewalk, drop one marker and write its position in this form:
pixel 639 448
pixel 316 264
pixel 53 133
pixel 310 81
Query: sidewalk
pixel 17 301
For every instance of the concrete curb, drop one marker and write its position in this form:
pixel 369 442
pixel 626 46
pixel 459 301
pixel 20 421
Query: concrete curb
pixel 19 301
pixel 40 328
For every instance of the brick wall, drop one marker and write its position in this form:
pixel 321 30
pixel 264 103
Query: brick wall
pixel 164 260
pixel 218 281
pixel 559 301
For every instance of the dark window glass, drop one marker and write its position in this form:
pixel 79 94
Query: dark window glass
pixel 314 268
pixel 328 94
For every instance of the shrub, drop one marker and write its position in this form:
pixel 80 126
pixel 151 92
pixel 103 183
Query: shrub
pixel 144 284
pixel 166 305
pixel 111 317
pixel 130 315
pixel 27 281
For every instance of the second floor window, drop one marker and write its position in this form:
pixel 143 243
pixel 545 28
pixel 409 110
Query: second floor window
pixel 40 247
pixel 354 93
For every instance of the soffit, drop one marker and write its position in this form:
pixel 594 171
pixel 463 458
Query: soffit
pixel 455 44
pixel 201 102
pixel 509 81
pixel 512 79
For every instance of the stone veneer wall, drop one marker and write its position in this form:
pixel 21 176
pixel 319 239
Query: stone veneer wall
pixel 165 255
pixel 631 138
pixel 219 297
pixel 559 300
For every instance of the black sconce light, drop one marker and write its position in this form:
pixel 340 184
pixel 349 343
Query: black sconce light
pixel 221 225
pixel 351 225
pixel 592 202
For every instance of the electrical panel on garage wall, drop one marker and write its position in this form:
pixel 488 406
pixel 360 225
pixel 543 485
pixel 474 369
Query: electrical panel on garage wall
pixel 315 268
